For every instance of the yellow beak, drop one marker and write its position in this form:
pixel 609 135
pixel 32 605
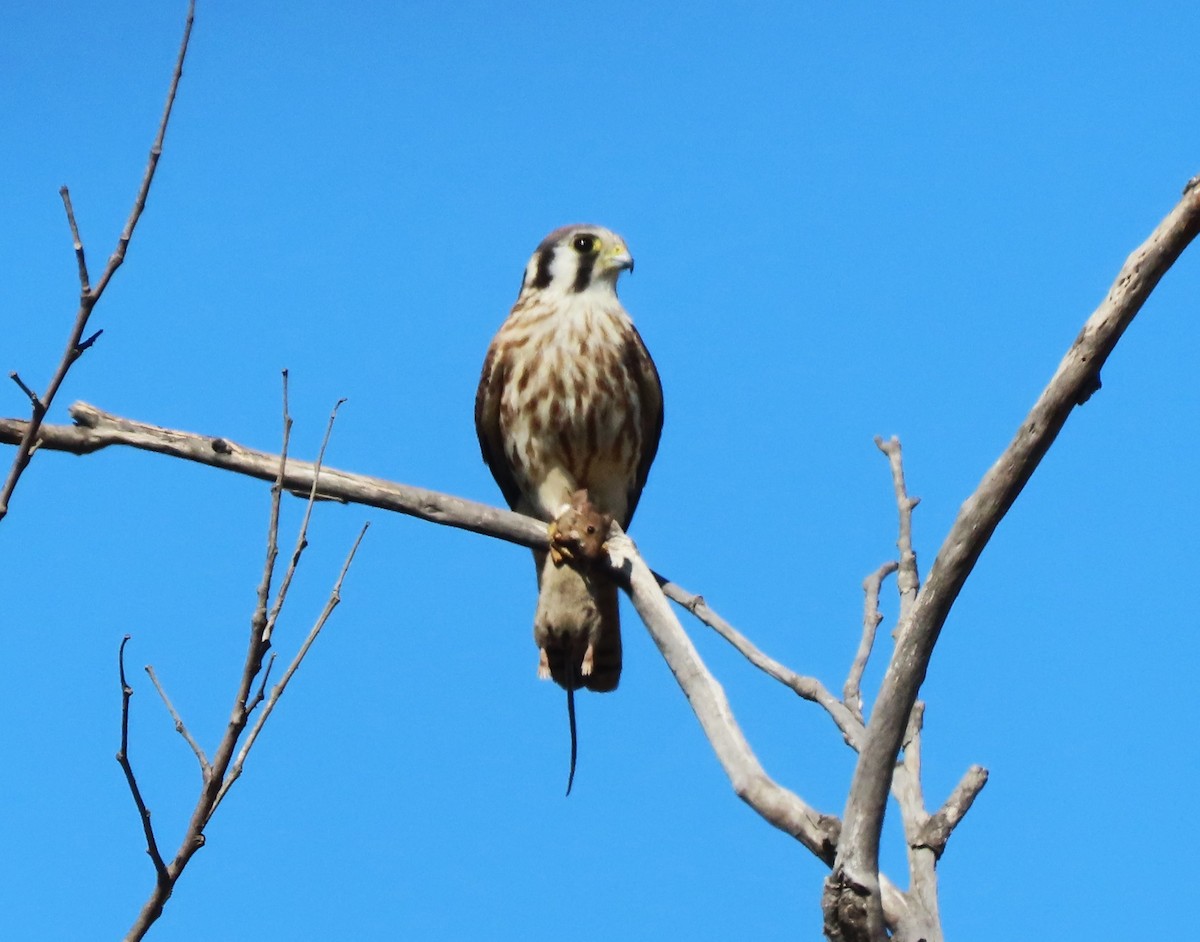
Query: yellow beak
pixel 617 256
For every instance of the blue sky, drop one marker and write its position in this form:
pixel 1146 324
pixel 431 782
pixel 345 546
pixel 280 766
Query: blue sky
pixel 848 219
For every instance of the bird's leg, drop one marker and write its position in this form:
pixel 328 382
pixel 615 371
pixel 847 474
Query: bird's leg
pixel 543 664
pixel 589 658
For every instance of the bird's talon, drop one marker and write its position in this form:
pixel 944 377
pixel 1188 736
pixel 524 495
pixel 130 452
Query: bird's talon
pixel 561 550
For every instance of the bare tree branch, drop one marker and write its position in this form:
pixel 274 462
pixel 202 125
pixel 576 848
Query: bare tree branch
pixel 88 298
pixel 34 399
pixel 261 693
pixel 85 287
pixel 774 803
pixel 180 726
pixel 97 429
pixel 852 903
pixel 852 690
pixel 782 808
pixel 908 580
pixel 223 770
pixel 160 868
pixel 335 597
pixel 937 829
pixel 258 622
pixel 808 688
pixel 139 203
pixel 912 914
pixel 923 920
pixel 920 919
pixel 302 534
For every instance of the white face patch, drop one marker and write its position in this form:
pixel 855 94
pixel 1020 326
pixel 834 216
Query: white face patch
pixel 574 260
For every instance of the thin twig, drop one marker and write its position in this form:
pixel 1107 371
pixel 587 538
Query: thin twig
pixel 335 597
pixel 908 580
pixel 180 726
pixel 160 868
pixel 260 619
pixel 808 688
pixel 907 788
pixel 84 344
pixel 33 397
pixel 852 690
pixel 139 203
pixel 89 296
pixel 85 287
pixel 259 641
pixel 940 824
pixel 302 535
pixel 262 686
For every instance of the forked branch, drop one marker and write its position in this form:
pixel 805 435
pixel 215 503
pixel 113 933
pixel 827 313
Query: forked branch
pixel 160 868
pixel 89 296
pixel 852 902
pixel 219 774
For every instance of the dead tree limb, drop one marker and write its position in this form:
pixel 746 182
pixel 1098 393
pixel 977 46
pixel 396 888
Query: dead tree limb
pixel 219 774
pixel 88 295
pixel 782 808
pixel 96 429
pixel 853 911
pixel 160 868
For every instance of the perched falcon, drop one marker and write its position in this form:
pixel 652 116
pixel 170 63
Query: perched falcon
pixel 570 402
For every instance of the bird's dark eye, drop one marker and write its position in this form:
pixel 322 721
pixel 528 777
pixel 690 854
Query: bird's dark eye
pixel 585 244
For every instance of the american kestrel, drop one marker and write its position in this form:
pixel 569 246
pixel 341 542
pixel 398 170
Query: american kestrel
pixel 569 412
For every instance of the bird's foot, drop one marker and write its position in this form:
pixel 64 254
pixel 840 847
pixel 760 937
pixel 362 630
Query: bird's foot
pixel 543 664
pixel 561 543
pixel 589 660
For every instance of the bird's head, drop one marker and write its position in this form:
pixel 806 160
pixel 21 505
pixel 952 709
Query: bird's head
pixel 575 259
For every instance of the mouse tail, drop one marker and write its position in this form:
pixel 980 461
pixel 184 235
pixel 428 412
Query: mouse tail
pixel 571 723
